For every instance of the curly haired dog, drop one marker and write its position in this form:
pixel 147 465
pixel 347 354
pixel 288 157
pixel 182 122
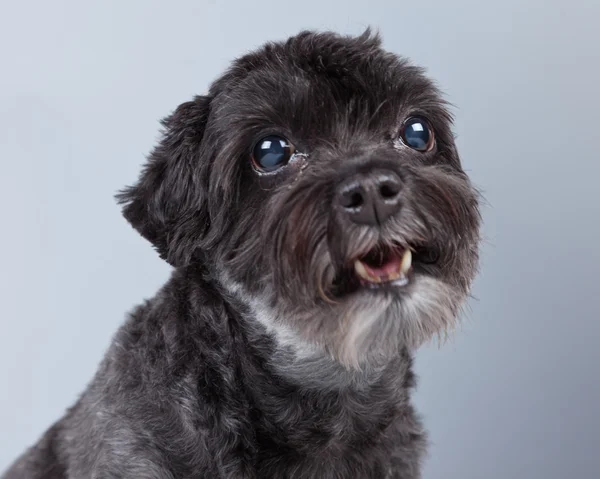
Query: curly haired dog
pixel 321 228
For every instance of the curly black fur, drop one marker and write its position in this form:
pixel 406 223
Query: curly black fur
pixel 259 358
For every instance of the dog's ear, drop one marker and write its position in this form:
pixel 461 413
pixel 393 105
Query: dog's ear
pixel 167 205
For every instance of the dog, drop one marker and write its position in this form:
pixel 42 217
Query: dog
pixel 321 228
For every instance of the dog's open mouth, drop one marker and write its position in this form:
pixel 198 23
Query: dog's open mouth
pixel 384 266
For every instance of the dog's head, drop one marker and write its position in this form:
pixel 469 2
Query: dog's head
pixel 319 180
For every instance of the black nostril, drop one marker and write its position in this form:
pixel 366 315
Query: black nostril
pixel 352 198
pixel 389 190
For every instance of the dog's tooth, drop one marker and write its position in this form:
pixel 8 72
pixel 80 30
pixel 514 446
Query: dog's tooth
pixel 361 271
pixel 406 261
pixel 394 275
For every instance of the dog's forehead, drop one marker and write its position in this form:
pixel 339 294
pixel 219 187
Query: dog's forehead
pixel 321 88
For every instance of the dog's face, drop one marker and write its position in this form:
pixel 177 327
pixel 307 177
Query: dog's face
pixel 319 179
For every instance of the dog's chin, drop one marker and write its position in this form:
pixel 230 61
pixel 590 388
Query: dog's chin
pixel 367 325
pixel 386 299
pixel 381 316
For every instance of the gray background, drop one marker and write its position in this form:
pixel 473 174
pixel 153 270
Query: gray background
pixel 515 394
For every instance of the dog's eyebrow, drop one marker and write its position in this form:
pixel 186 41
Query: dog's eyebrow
pixel 378 109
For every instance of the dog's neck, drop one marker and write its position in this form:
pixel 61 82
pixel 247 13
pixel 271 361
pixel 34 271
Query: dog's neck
pixel 303 363
pixel 221 351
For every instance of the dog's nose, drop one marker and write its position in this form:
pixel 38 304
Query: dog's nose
pixel 370 198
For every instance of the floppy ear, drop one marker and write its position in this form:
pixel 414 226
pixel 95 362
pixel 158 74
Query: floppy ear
pixel 167 205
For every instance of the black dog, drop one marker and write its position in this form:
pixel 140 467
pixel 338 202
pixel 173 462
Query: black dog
pixel 321 228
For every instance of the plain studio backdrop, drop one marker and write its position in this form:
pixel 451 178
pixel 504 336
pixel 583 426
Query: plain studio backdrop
pixel 515 394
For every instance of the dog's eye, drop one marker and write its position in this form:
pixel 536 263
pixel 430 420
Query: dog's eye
pixel 417 134
pixel 272 152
